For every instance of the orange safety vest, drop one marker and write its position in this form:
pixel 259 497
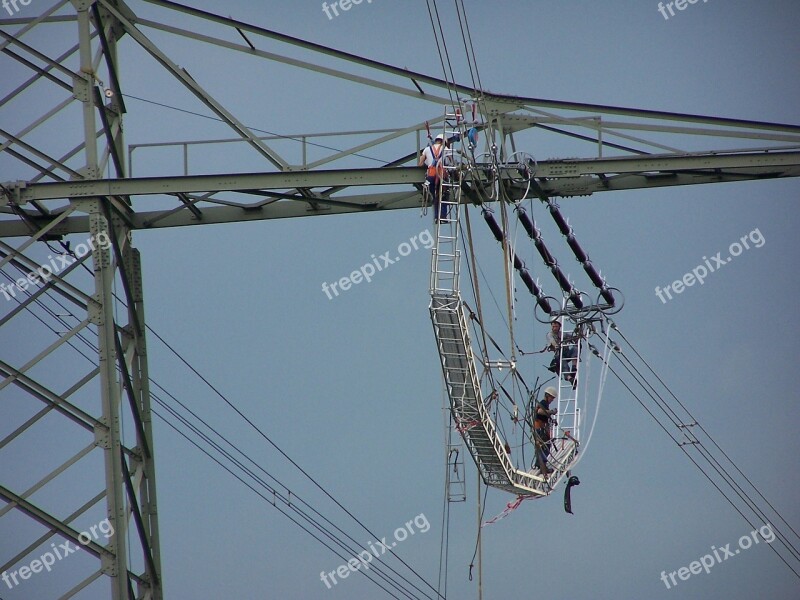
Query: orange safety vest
pixel 436 169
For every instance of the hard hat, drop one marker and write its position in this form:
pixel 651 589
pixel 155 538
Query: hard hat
pixel 551 391
pixel 439 137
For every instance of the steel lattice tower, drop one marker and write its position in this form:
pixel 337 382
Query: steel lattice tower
pixel 52 195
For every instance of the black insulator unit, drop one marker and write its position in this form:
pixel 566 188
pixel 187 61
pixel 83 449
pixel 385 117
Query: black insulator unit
pixel 576 249
pixel 527 224
pixel 490 221
pixel 546 256
pixel 534 289
pixel 559 219
pixel 575 298
pixel 594 275
pixel 599 283
pixel 530 228
pixel 528 281
pixel 582 257
pixel 566 286
pixel 534 234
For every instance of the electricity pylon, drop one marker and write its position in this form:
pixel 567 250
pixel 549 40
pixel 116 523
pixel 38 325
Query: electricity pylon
pixel 102 413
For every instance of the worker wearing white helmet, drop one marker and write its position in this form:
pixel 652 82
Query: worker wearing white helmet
pixel 564 352
pixel 542 419
pixel 432 157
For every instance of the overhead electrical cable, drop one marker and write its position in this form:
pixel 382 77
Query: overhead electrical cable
pixel 271 133
pixel 93 347
pixel 289 499
pixel 274 445
pixel 273 503
pixel 685 438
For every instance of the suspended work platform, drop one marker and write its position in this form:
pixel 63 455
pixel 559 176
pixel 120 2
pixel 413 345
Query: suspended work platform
pixel 471 417
pixel 469 409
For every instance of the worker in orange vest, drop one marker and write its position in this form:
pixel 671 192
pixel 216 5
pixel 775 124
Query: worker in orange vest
pixel 432 158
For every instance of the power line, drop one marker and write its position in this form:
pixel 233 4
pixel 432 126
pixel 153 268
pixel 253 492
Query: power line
pixel 273 503
pixel 274 445
pixel 93 347
pixel 289 500
pixel 687 439
pixel 285 137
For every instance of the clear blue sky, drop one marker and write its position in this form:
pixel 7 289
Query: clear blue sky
pixel 351 387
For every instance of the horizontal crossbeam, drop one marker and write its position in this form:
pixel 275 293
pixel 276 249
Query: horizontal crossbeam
pixel 569 177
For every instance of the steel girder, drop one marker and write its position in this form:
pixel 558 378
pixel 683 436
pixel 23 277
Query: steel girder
pixel 114 390
pixel 303 190
pixel 568 177
pixel 103 408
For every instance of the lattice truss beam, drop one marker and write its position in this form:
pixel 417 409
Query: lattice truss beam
pixel 628 148
pixel 66 172
pixel 95 418
pixel 87 427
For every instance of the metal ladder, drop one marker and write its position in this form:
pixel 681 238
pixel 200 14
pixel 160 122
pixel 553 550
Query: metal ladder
pixel 567 432
pixel 446 255
pixel 471 418
pixel 456 479
pixel 567 391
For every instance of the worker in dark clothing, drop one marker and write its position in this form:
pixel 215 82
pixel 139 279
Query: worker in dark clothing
pixel 541 427
pixel 564 352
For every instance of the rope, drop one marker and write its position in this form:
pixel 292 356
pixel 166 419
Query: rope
pixel 475 286
pixel 507 262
